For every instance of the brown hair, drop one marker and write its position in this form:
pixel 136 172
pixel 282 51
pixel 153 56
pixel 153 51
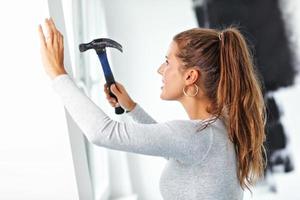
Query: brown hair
pixel 231 83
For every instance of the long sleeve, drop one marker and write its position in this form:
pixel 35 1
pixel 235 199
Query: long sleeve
pixel 172 139
pixel 139 115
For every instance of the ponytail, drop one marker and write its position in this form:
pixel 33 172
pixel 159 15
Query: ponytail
pixel 240 99
pixel 230 83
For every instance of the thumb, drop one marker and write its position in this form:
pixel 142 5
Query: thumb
pixel 114 90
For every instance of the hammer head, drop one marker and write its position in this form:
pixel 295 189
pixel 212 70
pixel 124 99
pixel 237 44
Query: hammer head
pixel 100 45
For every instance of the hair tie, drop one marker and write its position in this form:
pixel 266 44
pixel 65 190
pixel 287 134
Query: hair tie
pixel 220 36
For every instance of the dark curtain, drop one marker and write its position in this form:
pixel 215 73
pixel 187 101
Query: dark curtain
pixel 261 22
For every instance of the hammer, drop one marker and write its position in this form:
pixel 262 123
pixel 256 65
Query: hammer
pixel 100 47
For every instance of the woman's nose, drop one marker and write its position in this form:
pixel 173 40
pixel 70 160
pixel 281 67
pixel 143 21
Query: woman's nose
pixel 160 70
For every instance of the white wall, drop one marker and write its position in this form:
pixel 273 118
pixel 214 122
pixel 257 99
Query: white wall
pixel 35 153
pixel 288 99
pixel 145 29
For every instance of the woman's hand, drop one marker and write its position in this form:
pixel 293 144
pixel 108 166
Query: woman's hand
pixel 123 98
pixel 52 49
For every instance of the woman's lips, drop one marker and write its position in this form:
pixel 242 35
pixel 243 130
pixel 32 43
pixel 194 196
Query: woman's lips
pixel 163 84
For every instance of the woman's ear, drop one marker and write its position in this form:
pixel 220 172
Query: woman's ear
pixel 191 76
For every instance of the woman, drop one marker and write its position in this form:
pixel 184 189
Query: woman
pixel 215 154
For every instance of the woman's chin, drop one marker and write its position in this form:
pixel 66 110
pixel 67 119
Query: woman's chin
pixel 163 94
pixel 162 97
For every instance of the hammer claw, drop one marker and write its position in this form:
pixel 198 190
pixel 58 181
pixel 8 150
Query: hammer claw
pixel 100 45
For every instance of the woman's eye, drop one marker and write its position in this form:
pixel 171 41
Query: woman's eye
pixel 167 62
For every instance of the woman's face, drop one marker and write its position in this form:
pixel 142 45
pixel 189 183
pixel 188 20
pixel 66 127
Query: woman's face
pixel 172 77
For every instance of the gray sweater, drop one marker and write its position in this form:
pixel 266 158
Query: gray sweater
pixel 201 165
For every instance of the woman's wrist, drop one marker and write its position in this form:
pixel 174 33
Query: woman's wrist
pixel 57 74
pixel 131 106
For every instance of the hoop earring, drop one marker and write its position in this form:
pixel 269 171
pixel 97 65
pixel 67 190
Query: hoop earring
pixel 185 93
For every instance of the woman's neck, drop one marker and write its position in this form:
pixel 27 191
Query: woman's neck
pixel 196 108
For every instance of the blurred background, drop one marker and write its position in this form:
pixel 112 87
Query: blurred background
pixel 44 155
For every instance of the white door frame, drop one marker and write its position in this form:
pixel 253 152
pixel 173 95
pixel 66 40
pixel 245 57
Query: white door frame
pixel 78 147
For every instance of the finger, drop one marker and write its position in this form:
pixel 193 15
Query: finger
pixel 56 33
pixel 113 104
pixel 106 92
pixel 119 86
pixel 55 36
pixel 49 31
pixel 52 25
pixel 48 27
pixel 61 39
pixel 112 101
pixel 105 87
pixel 58 39
pixel 55 40
pixel 109 98
pixel 115 90
pixel 42 36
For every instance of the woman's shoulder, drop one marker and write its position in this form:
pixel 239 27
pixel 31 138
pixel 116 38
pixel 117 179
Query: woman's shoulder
pixel 196 123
